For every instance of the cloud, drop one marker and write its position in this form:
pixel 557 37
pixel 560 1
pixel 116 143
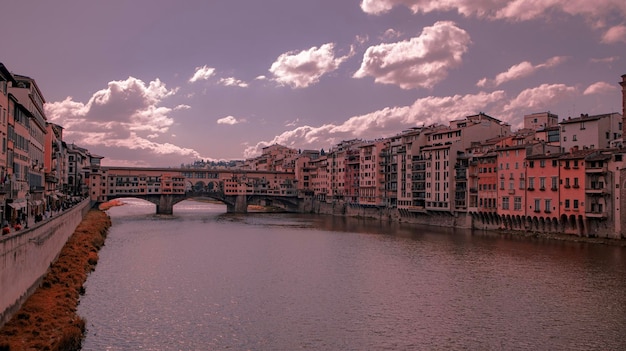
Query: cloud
pixel 594 12
pixel 232 82
pixel 609 59
pixel 424 111
pixel 301 69
pixel 541 98
pixel 616 34
pixel 230 120
pixel 202 73
pixel 420 62
pixel 122 120
pixel 386 121
pixel 600 88
pixel 391 34
pixel 292 123
pixel 518 71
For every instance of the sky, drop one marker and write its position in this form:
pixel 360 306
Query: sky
pixel 163 83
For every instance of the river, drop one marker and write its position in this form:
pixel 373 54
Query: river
pixel 206 280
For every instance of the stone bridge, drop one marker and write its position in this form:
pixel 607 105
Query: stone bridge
pixel 234 203
pixel 166 187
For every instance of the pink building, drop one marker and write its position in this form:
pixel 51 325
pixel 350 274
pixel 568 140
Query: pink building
pixel 572 190
pixel 543 200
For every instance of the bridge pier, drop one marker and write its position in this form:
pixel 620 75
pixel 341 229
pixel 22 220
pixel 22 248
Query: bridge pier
pixel 240 205
pixel 165 205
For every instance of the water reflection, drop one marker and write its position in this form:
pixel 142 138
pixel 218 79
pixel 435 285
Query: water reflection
pixel 202 279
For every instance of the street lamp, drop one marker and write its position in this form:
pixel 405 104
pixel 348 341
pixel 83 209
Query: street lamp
pixel 27 200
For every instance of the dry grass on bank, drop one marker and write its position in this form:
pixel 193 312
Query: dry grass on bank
pixel 48 319
pixel 106 205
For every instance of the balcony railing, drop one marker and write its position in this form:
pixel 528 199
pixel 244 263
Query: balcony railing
pixel 602 169
pixel 595 190
pixel 596 214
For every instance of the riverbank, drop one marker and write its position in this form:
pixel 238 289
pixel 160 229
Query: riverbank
pixel 48 319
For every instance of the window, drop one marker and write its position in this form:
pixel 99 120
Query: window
pixel 517 203
pixel 531 183
pixel 542 183
pixel 542 163
pixel 575 204
pixel 567 182
pixel 537 205
pixel 548 206
pixel 576 182
pixel 555 183
pixel 574 138
pixel 567 204
pixel 505 203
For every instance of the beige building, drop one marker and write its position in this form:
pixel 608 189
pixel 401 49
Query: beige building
pixel 441 154
pixel 590 132
pixel 540 120
pixel 371 175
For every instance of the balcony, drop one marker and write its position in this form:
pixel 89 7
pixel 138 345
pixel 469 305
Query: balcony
pixel 596 214
pixel 511 191
pixel 596 191
pixel 603 169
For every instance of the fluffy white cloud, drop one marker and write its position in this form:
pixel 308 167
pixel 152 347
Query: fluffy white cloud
pixel 301 69
pixel 420 62
pixel 122 121
pixel 387 121
pixel 540 98
pixel 518 71
pixel 202 73
pixel 616 34
pixel 595 12
pixel 230 120
pixel 424 111
pixel 233 82
pixel 600 88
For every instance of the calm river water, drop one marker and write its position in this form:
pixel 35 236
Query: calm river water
pixel 206 280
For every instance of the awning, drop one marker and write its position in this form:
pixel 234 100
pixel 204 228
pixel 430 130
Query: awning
pixel 17 205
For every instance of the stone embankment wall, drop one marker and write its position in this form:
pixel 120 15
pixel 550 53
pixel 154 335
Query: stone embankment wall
pixel 442 219
pixel 26 255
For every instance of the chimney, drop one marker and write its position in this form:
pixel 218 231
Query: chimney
pixel 623 84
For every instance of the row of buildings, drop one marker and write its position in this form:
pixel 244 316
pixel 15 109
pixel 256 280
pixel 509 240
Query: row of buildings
pixel 39 171
pixel 550 176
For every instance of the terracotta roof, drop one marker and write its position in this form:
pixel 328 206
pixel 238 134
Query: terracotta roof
pixel 584 118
